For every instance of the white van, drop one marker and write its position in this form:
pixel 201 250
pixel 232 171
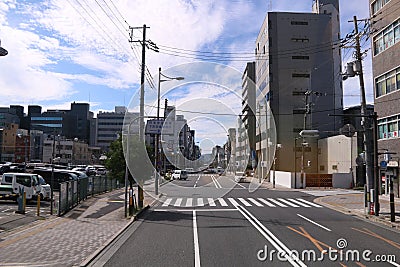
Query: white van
pixel 12 184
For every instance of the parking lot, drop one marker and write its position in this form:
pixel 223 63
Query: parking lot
pixel 10 219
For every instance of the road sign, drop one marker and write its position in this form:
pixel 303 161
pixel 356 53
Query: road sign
pixel 383 165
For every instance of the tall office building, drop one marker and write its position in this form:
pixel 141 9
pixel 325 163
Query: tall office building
pixel 298 66
pixel 109 125
pixel 386 72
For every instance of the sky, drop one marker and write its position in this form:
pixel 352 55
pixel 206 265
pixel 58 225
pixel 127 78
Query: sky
pixel 61 51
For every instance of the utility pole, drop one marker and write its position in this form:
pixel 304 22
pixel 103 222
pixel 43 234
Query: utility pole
pixel 366 124
pixel 141 108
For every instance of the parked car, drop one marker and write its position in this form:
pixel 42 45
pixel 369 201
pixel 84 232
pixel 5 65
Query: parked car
pixel 45 189
pixel 12 183
pixel 179 175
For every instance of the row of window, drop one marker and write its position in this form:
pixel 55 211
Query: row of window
pixel 389 127
pixel 387 38
pixel 388 83
pixel 377 5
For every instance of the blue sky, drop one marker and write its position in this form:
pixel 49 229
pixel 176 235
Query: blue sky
pixel 62 51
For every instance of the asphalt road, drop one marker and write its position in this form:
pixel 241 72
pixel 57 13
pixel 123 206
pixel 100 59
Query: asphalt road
pixel 239 228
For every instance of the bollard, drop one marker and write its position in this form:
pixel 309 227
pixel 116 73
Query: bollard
pixel 131 206
pixel 21 201
pixel 391 200
pixel 371 199
pixel 38 205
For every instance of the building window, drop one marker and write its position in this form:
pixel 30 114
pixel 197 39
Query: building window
pixel 301 57
pixel 388 128
pixel 302 40
pixel 293 22
pixel 387 38
pixel 377 5
pixel 300 75
pixel 387 83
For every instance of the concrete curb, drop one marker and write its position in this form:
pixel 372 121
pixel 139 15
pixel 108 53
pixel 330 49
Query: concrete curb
pixel 371 218
pixel 134 218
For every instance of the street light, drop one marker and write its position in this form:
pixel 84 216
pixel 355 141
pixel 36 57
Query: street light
pixel 167 78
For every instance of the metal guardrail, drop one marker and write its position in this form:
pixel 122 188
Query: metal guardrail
pixel 73 192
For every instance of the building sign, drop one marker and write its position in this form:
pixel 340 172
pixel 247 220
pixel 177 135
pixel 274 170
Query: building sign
pixel 159 127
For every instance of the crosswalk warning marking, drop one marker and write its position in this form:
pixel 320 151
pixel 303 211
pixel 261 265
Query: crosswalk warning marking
pixel 222 202
pixel 255 202
pixel 234 203
pixel 178 202
pixel 189 202
pixel 200 202
pixel 247 204
pixel 309 203
pixel 167 202
pixel 288 203
pixel 299 203
pixel 269 204
pixel 211 202
pixel 277 203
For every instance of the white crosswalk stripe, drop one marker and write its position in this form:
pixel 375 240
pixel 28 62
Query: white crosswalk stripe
pixel 200 202
pixel 299 203
pixel 269 204
pixel 211 202
pixel 222 202
pixel 277 203
pixel 178 202
pixel 258 204
pixel 234 203
pixel 248 202
pixel 189 202
pixel 309 203
pixel 288 203
pixel 167 202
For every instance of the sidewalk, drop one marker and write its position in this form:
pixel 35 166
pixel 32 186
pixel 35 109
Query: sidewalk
pixel 353 203
pixel 67 240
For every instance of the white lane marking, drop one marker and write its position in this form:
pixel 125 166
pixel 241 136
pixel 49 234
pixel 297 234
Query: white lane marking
pixel 393 263
pixel 178 202
pixel 213 179
pixel 222 202
pixel 200 202
pixel 234 203
pixel 277 203
pixel 311 221
pixel 167 202
pixel 266 202
pixel 258 204
pixel 216 180
pixel 189 202
pixel 6 210
pixel 282 248
pixel 196 241
pixel 240 185
pixel 195 184
pixel 247 204
pixel 190 210
pixel 309 203
pixel 211 202
pixel 288 203
pixel 299 203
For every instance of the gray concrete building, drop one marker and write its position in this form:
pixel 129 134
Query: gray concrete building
pixel 386 73
pixel 109 125
pixel 298 66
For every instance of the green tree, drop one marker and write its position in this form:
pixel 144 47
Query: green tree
pixel 115 162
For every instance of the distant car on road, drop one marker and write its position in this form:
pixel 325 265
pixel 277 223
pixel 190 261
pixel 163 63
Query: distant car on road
pixel 240 177
pixel 179 175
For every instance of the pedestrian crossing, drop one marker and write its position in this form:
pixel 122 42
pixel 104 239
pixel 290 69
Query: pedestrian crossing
pixel 247 202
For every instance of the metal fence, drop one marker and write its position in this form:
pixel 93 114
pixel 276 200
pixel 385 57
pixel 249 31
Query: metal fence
pixel 73 192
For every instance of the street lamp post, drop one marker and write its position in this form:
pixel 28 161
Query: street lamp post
pixel 156 155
